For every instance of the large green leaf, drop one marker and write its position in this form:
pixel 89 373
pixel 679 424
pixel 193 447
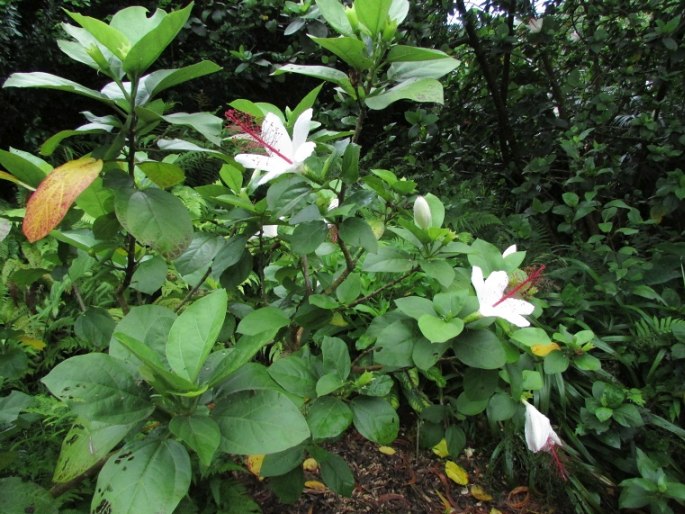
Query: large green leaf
pixel 395 345
pixel 19 497
pixel 334 14
pixel 159 80
pixel 336 357
pixel 24 169
pixel 84 445
pixel 199 432
pixel 414 53
pixel 373 14
pixel 163 174
pixel 328 417
pixel 428 69
pixel 156 218
pixel 194 333
pixel 295 375
pixel 152 475
pixel 357 232
pixel 437 330
pixel 99 388
pixel 335 472
pixel 115 41
pixel 49 81
pixel 320 72
pixel 480 349
pixel 263 320
pixel 416 89
pixel 150 46
pixel 207 124
pixel 349 49
pixel 233 358
pixel 149 324
pixel 257 422
pixel 150 275
pixel 375 419
pixel 308 236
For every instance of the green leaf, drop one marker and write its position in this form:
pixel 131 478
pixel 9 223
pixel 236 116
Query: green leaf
pixel 415 307
pixel 156 218
pixel 336 357
pixel 159 80
pixel 163 174
pixel 99 388
pixel 19 497
pixel 373 14
pixel 335 472
pixel 328 383
pixel 308 236
pixel 501 407
pixel 295 375
pixel 150 275
pixel 434 69
pixel 350 289
pixel 150 46
pixel 200 253
pixel 194 333
pixel 414 53
pixel 426 354
pixel 480 384
pixel 22 168
pixel 110 37
pixel 480 349
pixel 83 447
pixel 199 432
pixel 556 362
pixel 320 72
pixel 95 326
pixel 388 260
pixel 395 345
pixel 635 494
pixel 207 124
pixel 234 358
pixel 532 380
pixel 416 89
pixel 259 422
pixel 531 336
pixel 437 330
pixel 328 417
pixel 262 320
pixel 441 271
pixel 49 81
pixel 357 232
pixel 12 405
pixel 276 464
pixel 152 472
pixel 334 14
pixel 375 419
pixel 349 49
pixel 587 362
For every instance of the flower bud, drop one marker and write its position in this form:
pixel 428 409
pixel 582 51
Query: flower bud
pixel 422 213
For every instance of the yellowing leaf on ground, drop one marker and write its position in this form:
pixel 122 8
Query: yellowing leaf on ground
pixel 254 464
pixel 542 350
pixel 310 465
pixel 440 449
pixel 315 485
pixel 495 511
pixel 445 502
pixel 456 473
pixel 32 342
pixel 480 494
pixel 387 450
pixel 56 193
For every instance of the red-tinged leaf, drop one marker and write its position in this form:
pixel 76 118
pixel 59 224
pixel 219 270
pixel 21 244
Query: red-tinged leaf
pixel 56 193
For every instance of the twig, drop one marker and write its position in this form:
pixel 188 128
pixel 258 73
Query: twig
pixel 194 290
pixel 383 288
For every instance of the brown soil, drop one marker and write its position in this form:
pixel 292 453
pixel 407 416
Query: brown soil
pixel 406 483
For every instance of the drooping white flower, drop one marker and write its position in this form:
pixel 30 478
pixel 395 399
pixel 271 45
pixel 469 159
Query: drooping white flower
pixel 539 432
pixel 422 213
pixel 535 25
pixel 492 300
pixel 283 153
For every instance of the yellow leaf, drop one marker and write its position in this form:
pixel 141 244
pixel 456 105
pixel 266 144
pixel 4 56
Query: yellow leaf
pixel 32 342
pixel 310 465
pixel 440 449
pixel 338 321
pixel 480 494
pixel 541 350
pixel 56 193
pixel 387 450
pixel 456 473
pixel 445 502
pixel 315 485
pixel 495 511
pixel 254 464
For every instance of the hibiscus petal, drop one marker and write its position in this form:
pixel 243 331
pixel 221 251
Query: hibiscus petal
pixel 304 151
pixel 301 130
pixel 261 162
pixel 275 134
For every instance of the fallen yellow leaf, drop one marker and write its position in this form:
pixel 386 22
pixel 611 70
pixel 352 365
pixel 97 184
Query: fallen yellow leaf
pixel 310 464
pixel 495 511
pixel 445 502
pixel 387 450
pixel 456 473
pixel 440 449
pixel 480 494
pixel 315 485
pixel 542 350
pixel 32 342
pixel 254 464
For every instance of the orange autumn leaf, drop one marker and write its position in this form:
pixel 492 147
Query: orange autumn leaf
pixel 56 193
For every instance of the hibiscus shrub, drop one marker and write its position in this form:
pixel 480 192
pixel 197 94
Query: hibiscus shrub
pixel 271 311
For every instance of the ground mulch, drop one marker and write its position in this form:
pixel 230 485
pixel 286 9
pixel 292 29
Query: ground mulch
pixel 408 482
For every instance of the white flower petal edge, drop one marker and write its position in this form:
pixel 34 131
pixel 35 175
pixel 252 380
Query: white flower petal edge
pixel 509 251
pixel 274 133
pixel 490 292
pixel 539 432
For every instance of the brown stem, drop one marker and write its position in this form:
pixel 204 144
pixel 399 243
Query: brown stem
pixel 194 290
pixel 307 279
pixel 383 288
pixel 350 264
pixel 554 84
pixel 130 268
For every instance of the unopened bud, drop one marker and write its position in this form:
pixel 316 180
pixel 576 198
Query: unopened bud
pixel 422 213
